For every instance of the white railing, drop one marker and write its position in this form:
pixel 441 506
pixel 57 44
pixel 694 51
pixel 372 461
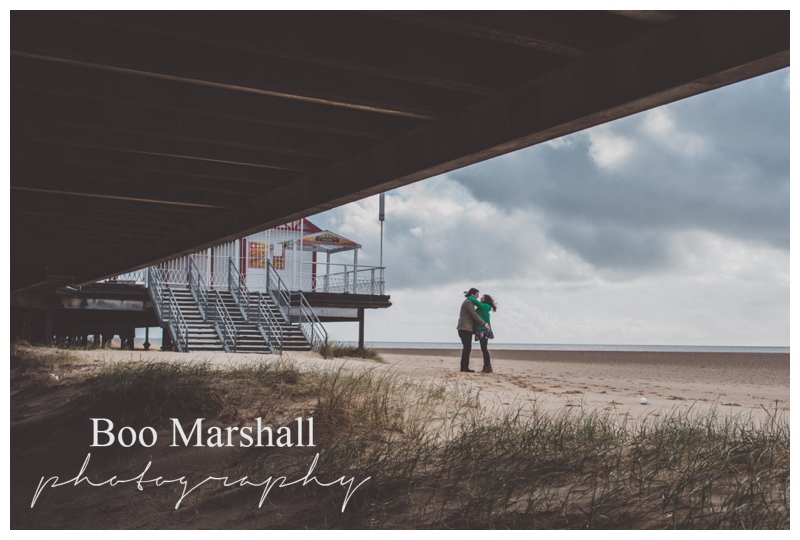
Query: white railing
pixel 137 276
pixel 168 310
pixel 212 308
pixel 279 292
pixel 309 324
pixel 238 289
pixel 295 310
pixel 199 289
pixel 167 276
pixel 292 305
pixel 171 314
pixel 316 277
pixel 218 316
pixel 347 278
pixel 268 324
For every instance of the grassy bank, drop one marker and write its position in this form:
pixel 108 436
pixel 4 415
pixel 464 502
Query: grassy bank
pixel 437 459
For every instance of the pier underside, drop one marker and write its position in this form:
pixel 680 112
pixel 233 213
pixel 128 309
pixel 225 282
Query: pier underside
pixel 138 137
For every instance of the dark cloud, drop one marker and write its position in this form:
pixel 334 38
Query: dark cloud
pixel 718 162
pixel 669 227
pixel 609 247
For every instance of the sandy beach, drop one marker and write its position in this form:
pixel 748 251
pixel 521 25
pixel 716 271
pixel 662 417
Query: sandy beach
pixel 403 425
pixel 733 383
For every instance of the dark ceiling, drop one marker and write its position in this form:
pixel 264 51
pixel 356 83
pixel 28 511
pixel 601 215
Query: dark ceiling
pixel 138 136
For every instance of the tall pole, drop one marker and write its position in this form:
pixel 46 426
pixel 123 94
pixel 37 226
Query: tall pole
pixel 300 269
pixel 382 217
pixel 361 329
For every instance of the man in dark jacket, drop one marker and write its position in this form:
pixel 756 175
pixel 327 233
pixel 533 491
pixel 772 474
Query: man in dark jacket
pixel 467 320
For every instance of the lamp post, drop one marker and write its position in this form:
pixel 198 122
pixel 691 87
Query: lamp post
pixel 382 217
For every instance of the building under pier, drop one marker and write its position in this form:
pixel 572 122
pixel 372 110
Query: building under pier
pixel 267 292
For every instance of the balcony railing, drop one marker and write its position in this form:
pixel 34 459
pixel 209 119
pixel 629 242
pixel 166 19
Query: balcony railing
pixel 345 278
pixel 316 277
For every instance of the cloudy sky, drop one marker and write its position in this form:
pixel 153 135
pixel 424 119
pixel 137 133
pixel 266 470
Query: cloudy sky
pixel 670 227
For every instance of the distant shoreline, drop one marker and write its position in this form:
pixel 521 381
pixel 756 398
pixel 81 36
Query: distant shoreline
pixel 422 348
pixel 724 360
pixel 400 346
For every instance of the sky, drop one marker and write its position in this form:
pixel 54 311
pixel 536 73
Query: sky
pixel 668 227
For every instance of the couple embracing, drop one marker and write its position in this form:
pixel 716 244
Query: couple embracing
pixel 474 320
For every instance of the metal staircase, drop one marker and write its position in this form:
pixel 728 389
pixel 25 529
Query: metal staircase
pixel 236 320
pixel 251 338
pixel 202 335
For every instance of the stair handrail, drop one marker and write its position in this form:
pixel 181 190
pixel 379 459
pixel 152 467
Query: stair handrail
pixel 168 310
pixel 238 289
pixel 267 323
pixel 198 288
pixel 181 336
pixel 279 292
pixel 212 308
pixel 155 287
pixel 310 325
pixel 222 321
pixel 296 310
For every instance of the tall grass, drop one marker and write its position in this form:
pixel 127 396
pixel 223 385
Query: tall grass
pixel 28 358
pixel 140 394
pixel 437 459
pixel 337 350
pixel 461 466
pixel 149 393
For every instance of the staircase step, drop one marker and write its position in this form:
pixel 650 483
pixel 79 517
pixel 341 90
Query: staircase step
pixel 203 336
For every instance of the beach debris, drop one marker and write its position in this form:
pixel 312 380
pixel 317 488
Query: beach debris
pixel 643 401
pixel 54 376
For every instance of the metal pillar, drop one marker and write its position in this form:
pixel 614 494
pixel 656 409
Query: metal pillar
pixel 166 340
pixel 355 269
pixel 328 273
pixel 361 328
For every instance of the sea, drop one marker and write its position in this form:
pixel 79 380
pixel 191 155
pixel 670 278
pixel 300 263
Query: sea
pixel 557 347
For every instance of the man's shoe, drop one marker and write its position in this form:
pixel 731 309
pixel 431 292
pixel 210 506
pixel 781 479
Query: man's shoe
pixel 487 368
pixel 467 370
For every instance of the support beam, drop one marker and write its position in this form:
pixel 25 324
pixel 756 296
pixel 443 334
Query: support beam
pixel 153 144
pixel 390 103
pixel 361 328
pixel 113 197
pixel 166 339
pixel 71 154
pixel 505 27
pixel 101 116
pixel 318 44
pixel 32 171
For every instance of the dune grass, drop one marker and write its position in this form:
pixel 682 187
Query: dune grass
pixel 337 350
pixel 29 358
pixel 438 459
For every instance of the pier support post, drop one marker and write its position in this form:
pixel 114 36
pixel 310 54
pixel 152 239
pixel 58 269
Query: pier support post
pixel 166 340
pixel 361 328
